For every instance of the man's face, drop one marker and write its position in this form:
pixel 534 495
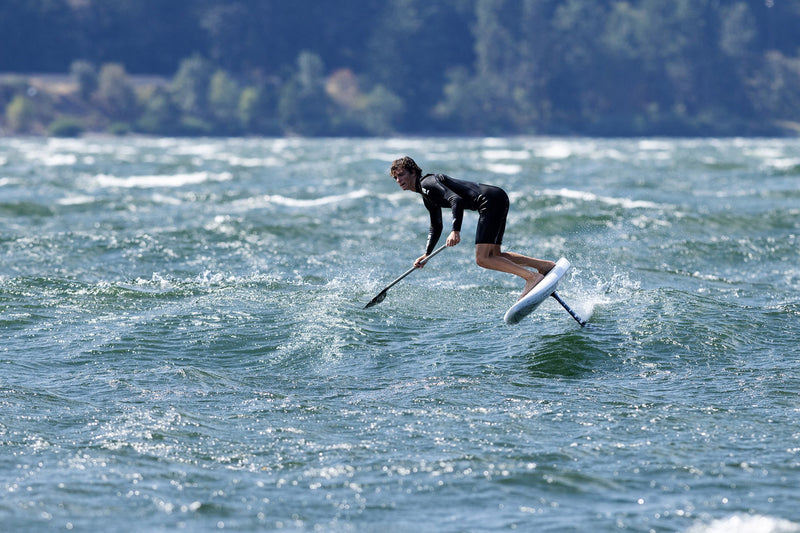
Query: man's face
pixel 405 179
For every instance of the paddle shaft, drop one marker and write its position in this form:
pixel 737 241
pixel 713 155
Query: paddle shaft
pixel 412 269
pixel 379 298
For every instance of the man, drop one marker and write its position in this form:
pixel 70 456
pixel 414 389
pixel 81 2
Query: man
pixel 490 202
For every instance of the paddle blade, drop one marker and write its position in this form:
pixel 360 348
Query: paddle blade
pixel 378 299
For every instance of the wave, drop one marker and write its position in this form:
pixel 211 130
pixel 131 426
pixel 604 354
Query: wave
pixel 747 524
pixel 277 199
pixel 76 199
pixel 591 197
pixel 784 165
pixel 504 168
pixel 505 154
pixel 160 180
pixel 555 150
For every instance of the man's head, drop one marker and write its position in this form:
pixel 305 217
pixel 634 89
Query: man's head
pixel 405 163
pixel 405 172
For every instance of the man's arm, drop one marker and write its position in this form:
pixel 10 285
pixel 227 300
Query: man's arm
pixel 435 230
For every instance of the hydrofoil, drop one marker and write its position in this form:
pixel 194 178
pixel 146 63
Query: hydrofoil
pixel 542 290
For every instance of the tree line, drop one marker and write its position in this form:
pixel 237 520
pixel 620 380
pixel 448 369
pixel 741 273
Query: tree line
pixel 382 67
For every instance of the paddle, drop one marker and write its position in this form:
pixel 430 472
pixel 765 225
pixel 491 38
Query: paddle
pixel 382 295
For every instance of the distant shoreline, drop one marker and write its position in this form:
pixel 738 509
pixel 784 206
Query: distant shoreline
pixel 63 113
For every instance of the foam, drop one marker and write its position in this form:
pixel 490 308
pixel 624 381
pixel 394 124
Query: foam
pixel 77 199
pixel 160 180
pixel 505 154
pixel 311 202
pixel 591 197
pixel 58 160
pixel 499 168
pixel 783 163
pixel 747 524
pixel 555 150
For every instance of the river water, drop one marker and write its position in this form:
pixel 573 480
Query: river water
pixel 183 343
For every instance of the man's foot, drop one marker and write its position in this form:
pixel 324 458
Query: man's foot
pixel 550 266
pixel 530 284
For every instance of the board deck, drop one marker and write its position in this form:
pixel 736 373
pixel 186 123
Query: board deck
pixel 540 293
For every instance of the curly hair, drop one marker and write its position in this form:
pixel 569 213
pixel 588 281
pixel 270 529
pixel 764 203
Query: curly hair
pixel 405 163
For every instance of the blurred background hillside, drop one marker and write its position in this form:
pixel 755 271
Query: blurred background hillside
pixel 383 67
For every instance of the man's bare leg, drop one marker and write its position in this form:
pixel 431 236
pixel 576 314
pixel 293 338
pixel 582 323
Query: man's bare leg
pixel 489 256
pixel 543 266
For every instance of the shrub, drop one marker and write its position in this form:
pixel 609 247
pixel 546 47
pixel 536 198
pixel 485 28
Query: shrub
pixel 119 128
pixel 86 76
pixel 20 114
pixel 161 115
pixel 116 93
pixel 66 127
pixel 194 127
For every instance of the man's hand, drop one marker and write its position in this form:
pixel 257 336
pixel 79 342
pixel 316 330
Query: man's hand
pixel 454 238
pixel 420 262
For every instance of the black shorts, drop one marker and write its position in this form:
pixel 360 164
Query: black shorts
pixel 493 210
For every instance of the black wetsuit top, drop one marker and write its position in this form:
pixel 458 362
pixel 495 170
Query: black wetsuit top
pixel 491 202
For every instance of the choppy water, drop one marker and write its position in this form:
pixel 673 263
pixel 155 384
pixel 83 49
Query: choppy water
pixel 183 343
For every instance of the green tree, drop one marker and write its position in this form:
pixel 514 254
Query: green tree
pixel 535 64
pixel 223 99
pixel 578 87
pixel 411 47
pixel 248 109
pixel 116 94
pixel 85 74
pixel 507 90
pixel 66 127
pixel 190 86
pixel 738 30
pixel 258 109
pixel 20 114
pixel 160 115
pixel 304 107
pixel 479 102
pixel 234 34
pixel 380 111
pixel 773 88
